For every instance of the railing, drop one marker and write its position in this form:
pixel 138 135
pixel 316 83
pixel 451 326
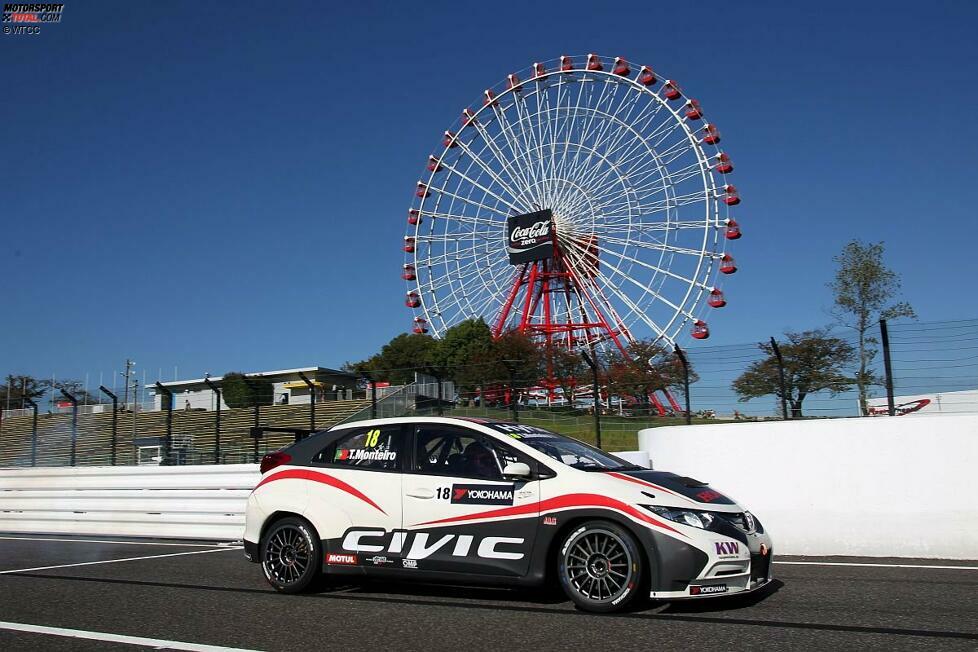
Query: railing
pixel 395 404
pixel 195 502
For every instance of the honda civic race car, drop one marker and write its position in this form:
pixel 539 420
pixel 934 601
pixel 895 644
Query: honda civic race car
pixel 480 501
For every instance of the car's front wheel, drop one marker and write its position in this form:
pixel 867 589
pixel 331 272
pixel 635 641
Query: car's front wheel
pixel 291 555
pixel 600 566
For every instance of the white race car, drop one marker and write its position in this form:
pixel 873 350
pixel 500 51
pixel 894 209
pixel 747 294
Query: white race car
pixel 479 501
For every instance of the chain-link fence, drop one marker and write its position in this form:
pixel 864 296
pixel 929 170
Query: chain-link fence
pixel 910 368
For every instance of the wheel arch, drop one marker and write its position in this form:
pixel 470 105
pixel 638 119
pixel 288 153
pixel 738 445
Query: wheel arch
pixel 644 542
pixel 277 516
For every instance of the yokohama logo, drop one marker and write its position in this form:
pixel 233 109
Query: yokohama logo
pixel 474 494
pixel 483 494
pixel 342 560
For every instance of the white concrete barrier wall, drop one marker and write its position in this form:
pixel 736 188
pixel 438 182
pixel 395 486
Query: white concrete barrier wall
pixel 192 502
pixel 883 486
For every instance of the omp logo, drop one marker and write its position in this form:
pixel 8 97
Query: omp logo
pixel 419 545
pixel 343 560
pixel 726 548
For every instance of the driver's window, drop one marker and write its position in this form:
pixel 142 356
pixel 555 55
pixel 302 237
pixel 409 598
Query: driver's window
pixel 444 450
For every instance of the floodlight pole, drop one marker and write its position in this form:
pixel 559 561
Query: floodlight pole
pixel 115 418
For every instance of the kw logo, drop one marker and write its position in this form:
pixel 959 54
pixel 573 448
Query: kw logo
pixel 726 548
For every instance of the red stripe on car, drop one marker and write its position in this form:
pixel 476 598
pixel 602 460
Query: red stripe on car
pixel 560 502
pixel 646 483
pixel 305 474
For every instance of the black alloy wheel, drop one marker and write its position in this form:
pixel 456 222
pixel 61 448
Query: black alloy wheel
pixel 600 566
pixel 291 555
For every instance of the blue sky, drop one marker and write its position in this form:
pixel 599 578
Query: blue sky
pixel 217 185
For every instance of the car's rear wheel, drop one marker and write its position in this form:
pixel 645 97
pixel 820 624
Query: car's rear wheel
pixel 599 565
pixel 291 555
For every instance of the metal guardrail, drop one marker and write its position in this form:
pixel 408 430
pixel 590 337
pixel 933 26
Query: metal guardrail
pixel 193 502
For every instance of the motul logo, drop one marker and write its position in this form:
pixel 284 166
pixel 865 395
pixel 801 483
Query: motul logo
pixel 421 545
pixel 727 547
pixel 337 559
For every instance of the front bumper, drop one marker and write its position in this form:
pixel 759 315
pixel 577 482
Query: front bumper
pixel 757 575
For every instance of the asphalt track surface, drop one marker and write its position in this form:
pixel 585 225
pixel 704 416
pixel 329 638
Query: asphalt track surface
pixel 184 595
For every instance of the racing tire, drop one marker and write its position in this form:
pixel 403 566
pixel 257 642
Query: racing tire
pixel 291 555
pixel 600 567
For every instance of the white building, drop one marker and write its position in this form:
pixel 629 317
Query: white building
pixel 289 388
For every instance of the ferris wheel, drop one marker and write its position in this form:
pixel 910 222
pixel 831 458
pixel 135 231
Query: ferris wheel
pixel 583 201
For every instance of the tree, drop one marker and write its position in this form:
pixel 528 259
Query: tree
pixel 813 362
pixel 240 391
pixel 19 387
pixel 646 369
pixel 513 359
pixel 457 354
pixel 864 288
pixel 76 388
pixel 398 359
pixel 569 370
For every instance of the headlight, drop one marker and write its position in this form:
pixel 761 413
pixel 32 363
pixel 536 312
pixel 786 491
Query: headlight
pixel 702 520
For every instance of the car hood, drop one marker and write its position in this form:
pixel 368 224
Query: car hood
pixel 666 486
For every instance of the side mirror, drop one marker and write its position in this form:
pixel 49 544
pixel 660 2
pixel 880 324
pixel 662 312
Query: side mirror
pixel 516 470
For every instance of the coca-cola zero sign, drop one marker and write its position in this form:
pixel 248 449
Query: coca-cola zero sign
pixel 530 237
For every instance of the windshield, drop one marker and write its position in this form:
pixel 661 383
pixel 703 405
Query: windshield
pixel 564 449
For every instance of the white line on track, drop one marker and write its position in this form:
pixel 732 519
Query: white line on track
pixel 116 561
pixel 847 563
pixel 156 643
pixel 120 543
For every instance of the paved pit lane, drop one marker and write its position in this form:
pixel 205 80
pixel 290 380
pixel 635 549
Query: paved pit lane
pixel 101 593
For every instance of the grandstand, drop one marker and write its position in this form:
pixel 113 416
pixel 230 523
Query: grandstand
pixel 194 434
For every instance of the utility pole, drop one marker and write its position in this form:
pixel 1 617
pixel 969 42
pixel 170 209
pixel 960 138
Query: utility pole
pixel 125 397
pixel 135 388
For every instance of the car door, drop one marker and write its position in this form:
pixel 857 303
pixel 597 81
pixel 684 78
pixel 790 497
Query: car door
pixel 459 513
pixel 359 493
